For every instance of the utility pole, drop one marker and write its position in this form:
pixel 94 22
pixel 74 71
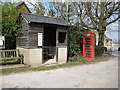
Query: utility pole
pixel 67 12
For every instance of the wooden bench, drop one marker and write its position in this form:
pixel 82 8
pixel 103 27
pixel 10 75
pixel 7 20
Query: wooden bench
pixel 10 55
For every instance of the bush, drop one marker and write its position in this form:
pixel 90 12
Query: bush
pixel 99 50
pixel 105 49
pixel 83 60
pixel 75 42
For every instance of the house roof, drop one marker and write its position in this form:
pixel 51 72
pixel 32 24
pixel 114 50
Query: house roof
pixel 20 3
pixel 107 38
pixel 43 19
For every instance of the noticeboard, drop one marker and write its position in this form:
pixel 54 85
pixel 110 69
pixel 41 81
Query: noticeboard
pixel 39 39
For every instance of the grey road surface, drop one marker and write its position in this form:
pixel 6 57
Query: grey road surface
pixel 99 75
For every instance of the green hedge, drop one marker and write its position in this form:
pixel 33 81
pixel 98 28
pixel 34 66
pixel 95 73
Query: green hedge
pixel 99 50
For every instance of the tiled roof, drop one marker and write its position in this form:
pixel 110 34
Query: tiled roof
pixel 43 19
pixel 19 3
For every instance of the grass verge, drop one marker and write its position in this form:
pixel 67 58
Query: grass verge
pixel 7 61
pixel 77 60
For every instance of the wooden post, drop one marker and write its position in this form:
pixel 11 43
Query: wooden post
pixel 21 59
pixel 67 12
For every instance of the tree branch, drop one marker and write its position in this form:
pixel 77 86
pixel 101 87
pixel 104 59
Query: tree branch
pixel 113 20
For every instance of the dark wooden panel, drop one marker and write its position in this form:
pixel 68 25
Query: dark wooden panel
pixel 33 34
pixel 22 39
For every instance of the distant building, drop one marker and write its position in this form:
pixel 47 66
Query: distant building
pixel 115 45
pixel 107 42
pixel 23 7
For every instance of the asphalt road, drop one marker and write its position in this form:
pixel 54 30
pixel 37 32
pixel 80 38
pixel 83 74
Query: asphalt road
pixel 100 75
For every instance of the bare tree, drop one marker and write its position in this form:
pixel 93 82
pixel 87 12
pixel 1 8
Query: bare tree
pixel 38 7
pixel 97 16
pixel 64 10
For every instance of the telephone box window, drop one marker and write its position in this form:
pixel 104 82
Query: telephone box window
pixel 62 37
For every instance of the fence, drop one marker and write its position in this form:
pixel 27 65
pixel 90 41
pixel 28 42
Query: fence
pixel 9 55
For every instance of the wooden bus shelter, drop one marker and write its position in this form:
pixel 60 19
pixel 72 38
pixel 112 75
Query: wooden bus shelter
pixel 43 39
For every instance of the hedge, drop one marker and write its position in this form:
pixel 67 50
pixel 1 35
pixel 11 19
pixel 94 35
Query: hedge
pixel 99 50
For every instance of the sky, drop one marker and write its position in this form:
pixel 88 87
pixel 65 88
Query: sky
pixel 112 29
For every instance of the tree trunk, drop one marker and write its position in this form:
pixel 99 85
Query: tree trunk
pixel 101 38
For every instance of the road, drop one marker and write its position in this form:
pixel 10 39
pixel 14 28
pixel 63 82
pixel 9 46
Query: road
pixel 99 75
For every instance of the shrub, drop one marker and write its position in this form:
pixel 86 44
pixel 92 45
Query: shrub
pixel 80 59
pixel 83 60
pixel 75 41
pixel 105 49
pixel 99 50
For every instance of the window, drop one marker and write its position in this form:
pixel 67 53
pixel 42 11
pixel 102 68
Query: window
pixel 107 41
pixel 62 37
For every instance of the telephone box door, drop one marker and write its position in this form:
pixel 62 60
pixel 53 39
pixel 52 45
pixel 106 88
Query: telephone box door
pixel 88 46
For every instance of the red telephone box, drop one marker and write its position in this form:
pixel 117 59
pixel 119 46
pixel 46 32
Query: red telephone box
pixel 88 46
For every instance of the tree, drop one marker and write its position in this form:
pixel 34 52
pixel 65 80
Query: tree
pixel 39 8
pixel 60 9
pixel 64 10
pixel 51 11
pixel 97 16
pixel 10 24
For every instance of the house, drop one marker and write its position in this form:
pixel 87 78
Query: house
pixel 44 39
pixel 22 6
pixel 116 45
pixel 107 42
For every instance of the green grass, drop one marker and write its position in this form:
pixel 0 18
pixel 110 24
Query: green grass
pixel 42 68
pixel 94 60
pixel 77 60
pixel 6 61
